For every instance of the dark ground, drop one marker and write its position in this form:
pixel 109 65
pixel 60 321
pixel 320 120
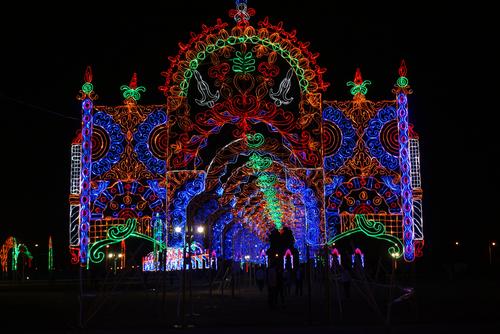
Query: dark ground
pixel 456 299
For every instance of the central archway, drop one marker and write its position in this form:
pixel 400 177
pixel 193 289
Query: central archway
pixel 244 109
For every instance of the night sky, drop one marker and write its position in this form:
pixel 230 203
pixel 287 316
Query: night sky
pixel 46 48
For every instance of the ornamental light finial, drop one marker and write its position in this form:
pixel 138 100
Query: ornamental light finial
pixel 242 13
pixel 358 79
pixel 358 85
pixel 132 91
pixel 402 84
pixel 87 90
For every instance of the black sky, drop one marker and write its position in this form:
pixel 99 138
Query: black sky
pixel 45 49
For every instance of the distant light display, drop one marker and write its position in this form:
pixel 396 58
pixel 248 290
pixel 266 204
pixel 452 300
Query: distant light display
pixel 14 248
pixel 50 256
pixel 358 256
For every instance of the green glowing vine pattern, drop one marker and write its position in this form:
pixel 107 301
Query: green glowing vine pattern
pixel 16 250
pixel 373 229
pixel 116 234
pixel 233 40
pixel 265 180
pixel 243 63
pixel 255 141
pixel 259 162
pixel 359 89
pixel 132 93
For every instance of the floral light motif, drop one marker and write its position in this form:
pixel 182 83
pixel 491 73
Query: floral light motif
pixel 358 85
pixel 132 91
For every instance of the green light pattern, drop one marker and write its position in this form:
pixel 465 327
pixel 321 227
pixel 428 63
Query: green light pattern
pixel 116 234
pixel 15 254
pixel 233 40
pixel 373 229
pixel 87 88
pixel 243 63
pixel 16 250
pixel 51 257
pixel 132 93
pixel 157 235
pixel 51 260
pixel 255 140
pixel 266 180
pixel 402 82
pixel 359 89
pixel 259 162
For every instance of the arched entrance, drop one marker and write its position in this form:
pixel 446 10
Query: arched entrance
pixel 245 130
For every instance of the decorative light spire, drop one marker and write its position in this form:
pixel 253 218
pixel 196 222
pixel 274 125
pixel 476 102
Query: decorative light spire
pixel 132 92
pixel 402 82
pixel 358 79
pixel 51 251
pixel 358 85
pixel 87 90
pixel 133 81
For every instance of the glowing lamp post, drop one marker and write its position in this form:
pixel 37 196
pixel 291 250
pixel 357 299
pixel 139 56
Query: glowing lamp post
pixel 189 235
pixel 115 257
pixel 395 257
pixel 491 245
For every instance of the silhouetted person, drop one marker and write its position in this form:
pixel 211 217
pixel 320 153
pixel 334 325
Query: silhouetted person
pixel 298 282
pixel 280 287
pixel 287 281
pixel 260 276
pixel 345 278
pixel 272 282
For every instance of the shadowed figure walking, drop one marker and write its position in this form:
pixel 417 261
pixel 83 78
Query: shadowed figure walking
pixel 298 282
pixel 272 283
pixel 260 277
pixel 287 281
pixel 345 279
pixel 280 287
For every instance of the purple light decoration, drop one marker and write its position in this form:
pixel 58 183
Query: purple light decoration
pixel 406 191
pixel 87 106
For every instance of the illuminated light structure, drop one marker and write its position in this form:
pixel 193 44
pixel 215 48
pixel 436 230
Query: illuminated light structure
pixel 150 262
pixel 369 168
pixel 416 184
pixel 358 254
pixel 263 258
pixel 402 89
pixel 213 260
pixel 335 255
pixel 245 145
pixel 200 259
pixel 12 246
pixel 74 199
pixel 50 256
pixel 253 96
pixel 85 167
pixel 288 255
pixel 121 172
